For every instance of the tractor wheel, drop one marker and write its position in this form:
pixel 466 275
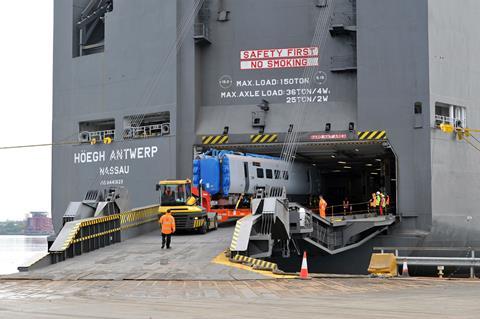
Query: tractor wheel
pixel 204 228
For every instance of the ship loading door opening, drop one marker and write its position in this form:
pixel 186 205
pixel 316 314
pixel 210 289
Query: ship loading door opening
pixel 352 171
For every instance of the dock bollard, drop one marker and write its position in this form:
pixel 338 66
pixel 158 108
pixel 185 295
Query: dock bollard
pixel 405 270
pixel 440 271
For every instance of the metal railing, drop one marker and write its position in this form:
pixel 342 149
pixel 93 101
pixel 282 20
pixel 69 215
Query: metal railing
pixel 440 119
pixel 87 137
pixel 355 210
pixel 469 261
pixel 135 132
pixel 82 236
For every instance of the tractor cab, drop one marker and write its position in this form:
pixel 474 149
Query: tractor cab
pixel 176 193
pixel 176 196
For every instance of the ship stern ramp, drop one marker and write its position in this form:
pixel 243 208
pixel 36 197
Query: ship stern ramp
pixel 278 225
pixel 339 234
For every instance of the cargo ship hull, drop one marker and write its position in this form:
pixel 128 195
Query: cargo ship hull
pixel 157 82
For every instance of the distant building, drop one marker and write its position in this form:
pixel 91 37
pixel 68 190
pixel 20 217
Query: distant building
pixel 38 224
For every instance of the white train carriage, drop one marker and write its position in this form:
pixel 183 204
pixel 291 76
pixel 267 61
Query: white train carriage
pixel 234 173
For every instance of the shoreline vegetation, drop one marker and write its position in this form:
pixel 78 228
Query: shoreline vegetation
pixel 14 228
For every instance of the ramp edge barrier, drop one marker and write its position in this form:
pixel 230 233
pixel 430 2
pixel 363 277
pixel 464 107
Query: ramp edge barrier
pixel 256 264
pixel 82 236
pixel 439 261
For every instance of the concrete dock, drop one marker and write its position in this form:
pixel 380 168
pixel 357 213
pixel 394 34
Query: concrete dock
pixel 137 279
pixel 318 298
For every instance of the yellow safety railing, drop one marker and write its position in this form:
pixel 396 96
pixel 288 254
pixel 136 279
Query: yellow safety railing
pixel 89 234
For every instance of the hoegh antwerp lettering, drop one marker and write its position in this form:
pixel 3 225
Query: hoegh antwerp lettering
pixel 84 157
pixel 124 154
pixel 279 58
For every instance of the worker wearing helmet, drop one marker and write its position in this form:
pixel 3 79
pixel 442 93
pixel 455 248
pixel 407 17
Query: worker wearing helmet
pixel 383 203
pixel 167 223
pixel 322 205
pixel 378 199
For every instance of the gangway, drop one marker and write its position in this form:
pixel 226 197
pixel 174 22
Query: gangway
pixel 279 224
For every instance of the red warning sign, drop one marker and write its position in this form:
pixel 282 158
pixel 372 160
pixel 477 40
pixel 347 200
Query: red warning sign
pixel 279 58
pixel 329 136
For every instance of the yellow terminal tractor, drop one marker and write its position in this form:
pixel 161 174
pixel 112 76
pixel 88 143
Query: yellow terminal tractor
pixel 187 208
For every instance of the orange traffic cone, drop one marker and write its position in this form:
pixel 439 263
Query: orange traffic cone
pixel 304 270
pixel 405 270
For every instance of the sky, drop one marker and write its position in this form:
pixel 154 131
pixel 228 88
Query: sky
pixel 26 30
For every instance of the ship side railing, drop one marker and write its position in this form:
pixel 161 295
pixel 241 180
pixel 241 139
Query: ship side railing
pixel 96 136
pixel 85 235
pixel 441 119
pixel 134 132
pixel 467 260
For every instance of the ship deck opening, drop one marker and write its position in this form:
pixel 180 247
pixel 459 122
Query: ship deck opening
pixel 348 169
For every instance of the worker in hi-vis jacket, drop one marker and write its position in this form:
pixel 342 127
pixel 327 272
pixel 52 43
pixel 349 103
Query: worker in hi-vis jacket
pixel 167 223
pixel 322 205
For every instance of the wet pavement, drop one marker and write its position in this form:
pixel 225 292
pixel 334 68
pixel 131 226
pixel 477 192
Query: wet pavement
pixel 142 258
pixel 137 279
pixel 317 298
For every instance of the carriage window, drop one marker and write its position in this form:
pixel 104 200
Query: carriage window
pixel 260 173
pixel 269 173
pixel 277 174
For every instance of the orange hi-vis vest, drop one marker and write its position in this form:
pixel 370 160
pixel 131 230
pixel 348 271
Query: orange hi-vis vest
pixel 323 207
pixel 373 202
pixel 168 224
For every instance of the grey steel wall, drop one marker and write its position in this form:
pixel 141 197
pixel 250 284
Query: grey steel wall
pixel 271 24
pixel 454 48
pixel 140 35
pixel 408 51
pixel 114 84
pixel 393 74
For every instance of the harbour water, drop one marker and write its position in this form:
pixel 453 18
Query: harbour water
pixel 16 250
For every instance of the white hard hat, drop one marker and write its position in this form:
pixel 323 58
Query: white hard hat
pixel 378 193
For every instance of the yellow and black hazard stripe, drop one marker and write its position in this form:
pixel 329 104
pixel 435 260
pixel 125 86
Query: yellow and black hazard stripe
pixel 96 235
pixel 264 138
pixel 372 135
pixel 138 215
pixel 236 233
pixel 256 263
pixel 99 220
pixel 214 139
pixel 197 223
